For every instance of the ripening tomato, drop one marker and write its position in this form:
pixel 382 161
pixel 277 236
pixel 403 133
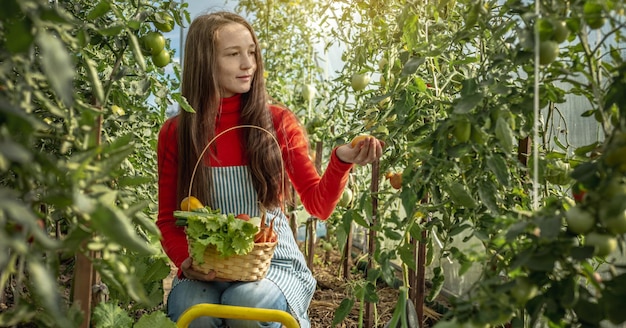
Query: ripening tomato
pixel 355 142
pixel 578 194
pixel 190 203
pixel 243 216
pixel 395 180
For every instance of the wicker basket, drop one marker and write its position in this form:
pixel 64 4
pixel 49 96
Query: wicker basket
pixel 249 267
pixel 252 266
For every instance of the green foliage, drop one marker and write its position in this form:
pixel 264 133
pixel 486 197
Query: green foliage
pixel 79 113
pixel 155 319
pixel 435 64
pixel 110 315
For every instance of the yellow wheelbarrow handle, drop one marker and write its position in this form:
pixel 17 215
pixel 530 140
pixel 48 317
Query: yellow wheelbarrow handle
pixel 235 312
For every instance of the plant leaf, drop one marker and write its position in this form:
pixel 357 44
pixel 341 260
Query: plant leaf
pixel 57 65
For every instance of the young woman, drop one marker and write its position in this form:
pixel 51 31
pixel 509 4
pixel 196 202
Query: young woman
pixel 223 81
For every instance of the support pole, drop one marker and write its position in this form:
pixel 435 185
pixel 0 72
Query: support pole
pixel 371 248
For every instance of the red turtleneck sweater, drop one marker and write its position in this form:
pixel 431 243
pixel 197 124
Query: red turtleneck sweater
pixel 319 195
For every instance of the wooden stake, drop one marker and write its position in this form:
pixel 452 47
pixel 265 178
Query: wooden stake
pixel 371 247
pixel 83 280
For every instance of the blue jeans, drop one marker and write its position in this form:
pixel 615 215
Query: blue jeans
pixel 259 294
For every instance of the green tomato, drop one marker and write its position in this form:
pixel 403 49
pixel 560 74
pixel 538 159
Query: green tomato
pixel 592 15
pixel 381 132
pixel 164 22
pixel 462 130
pixel 359 81
pixel 548 52
pixel 478 136
pixel 346 198
pixel 308 92
pixel 616 190
pixel 524 290
pixel 154 42
pixel 315 123
pixel 615 224
pixel 578 220
pixel 603 244
pixel 162 58
pixel 382 63
pixel 561 31
pixel 545 29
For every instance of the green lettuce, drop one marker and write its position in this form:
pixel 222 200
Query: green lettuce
pixel 206 227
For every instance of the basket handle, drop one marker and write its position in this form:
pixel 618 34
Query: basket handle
pixel 282 163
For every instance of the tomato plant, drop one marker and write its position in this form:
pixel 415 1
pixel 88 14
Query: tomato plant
pixel 78 119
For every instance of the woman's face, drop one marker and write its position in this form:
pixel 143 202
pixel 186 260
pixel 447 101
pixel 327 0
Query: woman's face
pixel 236 61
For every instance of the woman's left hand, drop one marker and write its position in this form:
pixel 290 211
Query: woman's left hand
pixel 364 152
pixel 190 273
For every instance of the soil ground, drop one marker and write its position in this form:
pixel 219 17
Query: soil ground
pixel 332 289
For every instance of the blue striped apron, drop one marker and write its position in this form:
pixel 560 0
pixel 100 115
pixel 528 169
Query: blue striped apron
pixel 234 193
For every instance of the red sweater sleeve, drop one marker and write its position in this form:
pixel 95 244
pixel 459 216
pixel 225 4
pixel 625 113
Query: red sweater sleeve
pixel 319 195
pixel 174 240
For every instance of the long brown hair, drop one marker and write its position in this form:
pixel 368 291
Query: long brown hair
pixel 200 87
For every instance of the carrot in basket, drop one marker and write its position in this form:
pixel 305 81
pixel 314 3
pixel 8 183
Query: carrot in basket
pixel 271 235
pixel 261 236
pixel 266 233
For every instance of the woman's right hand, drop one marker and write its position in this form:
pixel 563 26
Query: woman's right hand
pixel 190 273
pixel 364 152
